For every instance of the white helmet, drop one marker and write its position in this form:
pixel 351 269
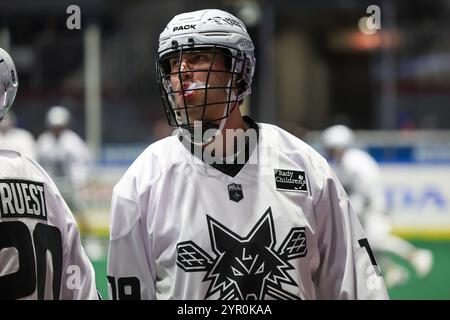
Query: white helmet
pixel 8 82
pixel 218 32
pixel 338 137
pixel 58 116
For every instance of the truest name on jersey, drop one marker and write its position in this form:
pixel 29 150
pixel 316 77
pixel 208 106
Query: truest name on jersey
pixel 22 199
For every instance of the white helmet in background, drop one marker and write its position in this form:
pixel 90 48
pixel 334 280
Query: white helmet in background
pixel 58 116
pixel 214 31
pixel 8 82
pixel 338 137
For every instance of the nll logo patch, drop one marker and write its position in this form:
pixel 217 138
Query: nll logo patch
pixel 245 268
pixel 235 192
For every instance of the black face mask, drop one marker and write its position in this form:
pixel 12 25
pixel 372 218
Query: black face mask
pixel 177 116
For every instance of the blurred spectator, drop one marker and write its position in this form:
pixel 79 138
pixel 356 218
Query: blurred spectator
pixel 64 155
pixel 361 178
pixel 16 139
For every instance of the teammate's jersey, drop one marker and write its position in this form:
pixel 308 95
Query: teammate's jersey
pixel 279 228
pixel 19 140
pixel 360 175
pixel 41 256
pixel 65 157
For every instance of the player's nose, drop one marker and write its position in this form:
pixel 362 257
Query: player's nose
pixel 185 71
pixel 184 66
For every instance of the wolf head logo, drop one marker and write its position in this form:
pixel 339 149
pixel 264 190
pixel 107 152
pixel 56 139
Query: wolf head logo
pixel 245 268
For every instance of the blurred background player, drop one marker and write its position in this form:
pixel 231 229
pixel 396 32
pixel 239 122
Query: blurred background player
pixel 17 139
pixel 64 155
pixel 35 221
pixel 67 159
pixel 360 175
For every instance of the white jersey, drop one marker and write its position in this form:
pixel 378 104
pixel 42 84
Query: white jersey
pixel 19 140
pixel 361 177
pixel 67 157
pixel 41 256
pixel 281 228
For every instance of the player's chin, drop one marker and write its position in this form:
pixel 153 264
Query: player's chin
pixel 196 116
pixel 190 101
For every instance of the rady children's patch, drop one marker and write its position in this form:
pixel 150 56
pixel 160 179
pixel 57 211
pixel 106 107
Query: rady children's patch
pixel 291 180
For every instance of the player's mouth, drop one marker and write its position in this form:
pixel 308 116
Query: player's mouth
pixel 190 88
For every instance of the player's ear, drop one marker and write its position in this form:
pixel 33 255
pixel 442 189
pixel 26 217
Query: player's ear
pixel 263 232
pixel 221 239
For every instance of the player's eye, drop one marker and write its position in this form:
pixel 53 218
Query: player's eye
pixel 260 269
pixel 236 272
pixel 174 63
pixel 200 58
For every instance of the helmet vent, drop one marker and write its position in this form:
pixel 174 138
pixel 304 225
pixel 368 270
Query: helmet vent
pixel 215 34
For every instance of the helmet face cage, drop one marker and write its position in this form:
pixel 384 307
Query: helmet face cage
pixel 177 115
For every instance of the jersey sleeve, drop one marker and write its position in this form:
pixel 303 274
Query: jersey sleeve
pixel 348 269
pixel 131 266
pixel 366 191
pixel 129 273
pixel 78 281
